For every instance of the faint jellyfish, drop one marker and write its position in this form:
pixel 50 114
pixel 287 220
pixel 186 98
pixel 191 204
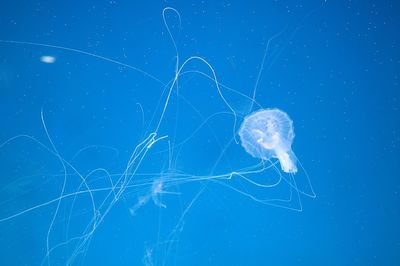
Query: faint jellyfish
pixel 142 200
pixel 268 133
pixel 157 190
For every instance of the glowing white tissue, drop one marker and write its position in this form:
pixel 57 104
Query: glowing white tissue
pixel 48 59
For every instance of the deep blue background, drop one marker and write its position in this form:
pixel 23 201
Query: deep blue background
pixel 334 69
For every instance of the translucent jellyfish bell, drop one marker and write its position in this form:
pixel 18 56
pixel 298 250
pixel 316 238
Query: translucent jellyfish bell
pixel 268 133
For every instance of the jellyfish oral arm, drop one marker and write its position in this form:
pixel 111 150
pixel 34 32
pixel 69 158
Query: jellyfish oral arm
pixel 287 161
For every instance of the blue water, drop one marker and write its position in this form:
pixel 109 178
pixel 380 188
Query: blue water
pixel 114 151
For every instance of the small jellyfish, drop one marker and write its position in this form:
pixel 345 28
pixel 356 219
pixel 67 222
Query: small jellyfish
pixel 268 133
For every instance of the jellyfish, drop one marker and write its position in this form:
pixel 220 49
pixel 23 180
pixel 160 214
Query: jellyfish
pixel 268 133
